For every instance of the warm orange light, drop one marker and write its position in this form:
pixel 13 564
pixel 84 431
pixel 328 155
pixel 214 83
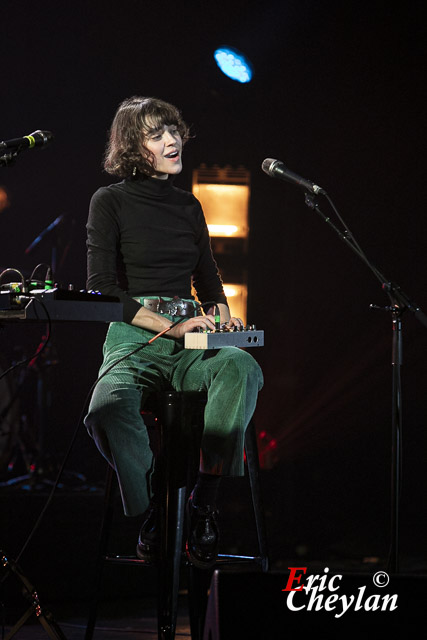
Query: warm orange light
pixel 224 194
pixel 237 295
pixel 225 207
pixel 221 230
pixel 230 291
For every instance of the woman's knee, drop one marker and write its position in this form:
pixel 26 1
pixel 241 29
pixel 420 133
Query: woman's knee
pixel 109 409
pixel 244 365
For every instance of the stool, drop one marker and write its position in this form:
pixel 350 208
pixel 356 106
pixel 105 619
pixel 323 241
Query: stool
pixel 170 409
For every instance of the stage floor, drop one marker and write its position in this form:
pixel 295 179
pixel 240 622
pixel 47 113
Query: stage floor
pixel 116 621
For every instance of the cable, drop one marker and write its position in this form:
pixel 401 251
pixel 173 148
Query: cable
pixel 80 419
pixel 217 312
pixel 76 430
pixel 23 282
pixel 347 230
pixel 37 267
pixel 345 235
pixel 42 346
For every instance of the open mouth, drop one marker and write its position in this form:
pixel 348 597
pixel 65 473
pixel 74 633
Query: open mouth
pixel 173 154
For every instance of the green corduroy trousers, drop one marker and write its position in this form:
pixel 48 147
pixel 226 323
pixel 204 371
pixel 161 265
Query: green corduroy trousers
pixel 230 376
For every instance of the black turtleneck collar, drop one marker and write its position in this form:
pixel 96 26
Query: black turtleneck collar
pixel 150 185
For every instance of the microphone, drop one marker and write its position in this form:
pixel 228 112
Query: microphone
pixel 36 139
pixel 276 169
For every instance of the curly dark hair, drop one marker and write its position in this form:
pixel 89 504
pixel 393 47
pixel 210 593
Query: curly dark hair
pixel 125 153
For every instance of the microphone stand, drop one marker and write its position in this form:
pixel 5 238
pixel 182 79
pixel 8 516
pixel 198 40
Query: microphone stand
pixel 8 158
pixel 400 302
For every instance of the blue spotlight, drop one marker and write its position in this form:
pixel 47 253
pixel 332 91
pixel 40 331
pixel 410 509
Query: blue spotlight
pixel 234 64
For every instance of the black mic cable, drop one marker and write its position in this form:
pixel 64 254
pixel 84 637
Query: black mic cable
pixel 76 430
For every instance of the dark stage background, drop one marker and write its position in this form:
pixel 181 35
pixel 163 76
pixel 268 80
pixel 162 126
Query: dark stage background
pixel 339 95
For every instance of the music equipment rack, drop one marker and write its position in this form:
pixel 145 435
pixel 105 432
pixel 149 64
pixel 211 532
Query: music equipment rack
pixel 60 305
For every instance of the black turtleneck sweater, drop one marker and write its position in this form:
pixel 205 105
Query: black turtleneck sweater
pixel 146 237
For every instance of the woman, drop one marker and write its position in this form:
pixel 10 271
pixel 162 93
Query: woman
pixel 147 242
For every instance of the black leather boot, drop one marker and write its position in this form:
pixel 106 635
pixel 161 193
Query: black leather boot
pixel 203 537
pixel 148 541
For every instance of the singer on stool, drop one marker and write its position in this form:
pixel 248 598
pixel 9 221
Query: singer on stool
pixel 148 243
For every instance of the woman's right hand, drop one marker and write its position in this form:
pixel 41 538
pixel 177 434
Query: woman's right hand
pixel 181 328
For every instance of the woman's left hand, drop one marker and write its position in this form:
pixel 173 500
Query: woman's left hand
pixel 226 321
pixel 234 322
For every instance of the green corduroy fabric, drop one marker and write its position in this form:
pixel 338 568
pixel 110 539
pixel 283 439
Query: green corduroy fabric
pixel 230 376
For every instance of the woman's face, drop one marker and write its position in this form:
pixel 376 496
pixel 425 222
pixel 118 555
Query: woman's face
pixel 166 146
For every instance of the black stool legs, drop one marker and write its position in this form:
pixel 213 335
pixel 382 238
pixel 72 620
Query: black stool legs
pixel 171 515
pixel 252 459
pixel 199 580
pixel 104 536
pixel 170 524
